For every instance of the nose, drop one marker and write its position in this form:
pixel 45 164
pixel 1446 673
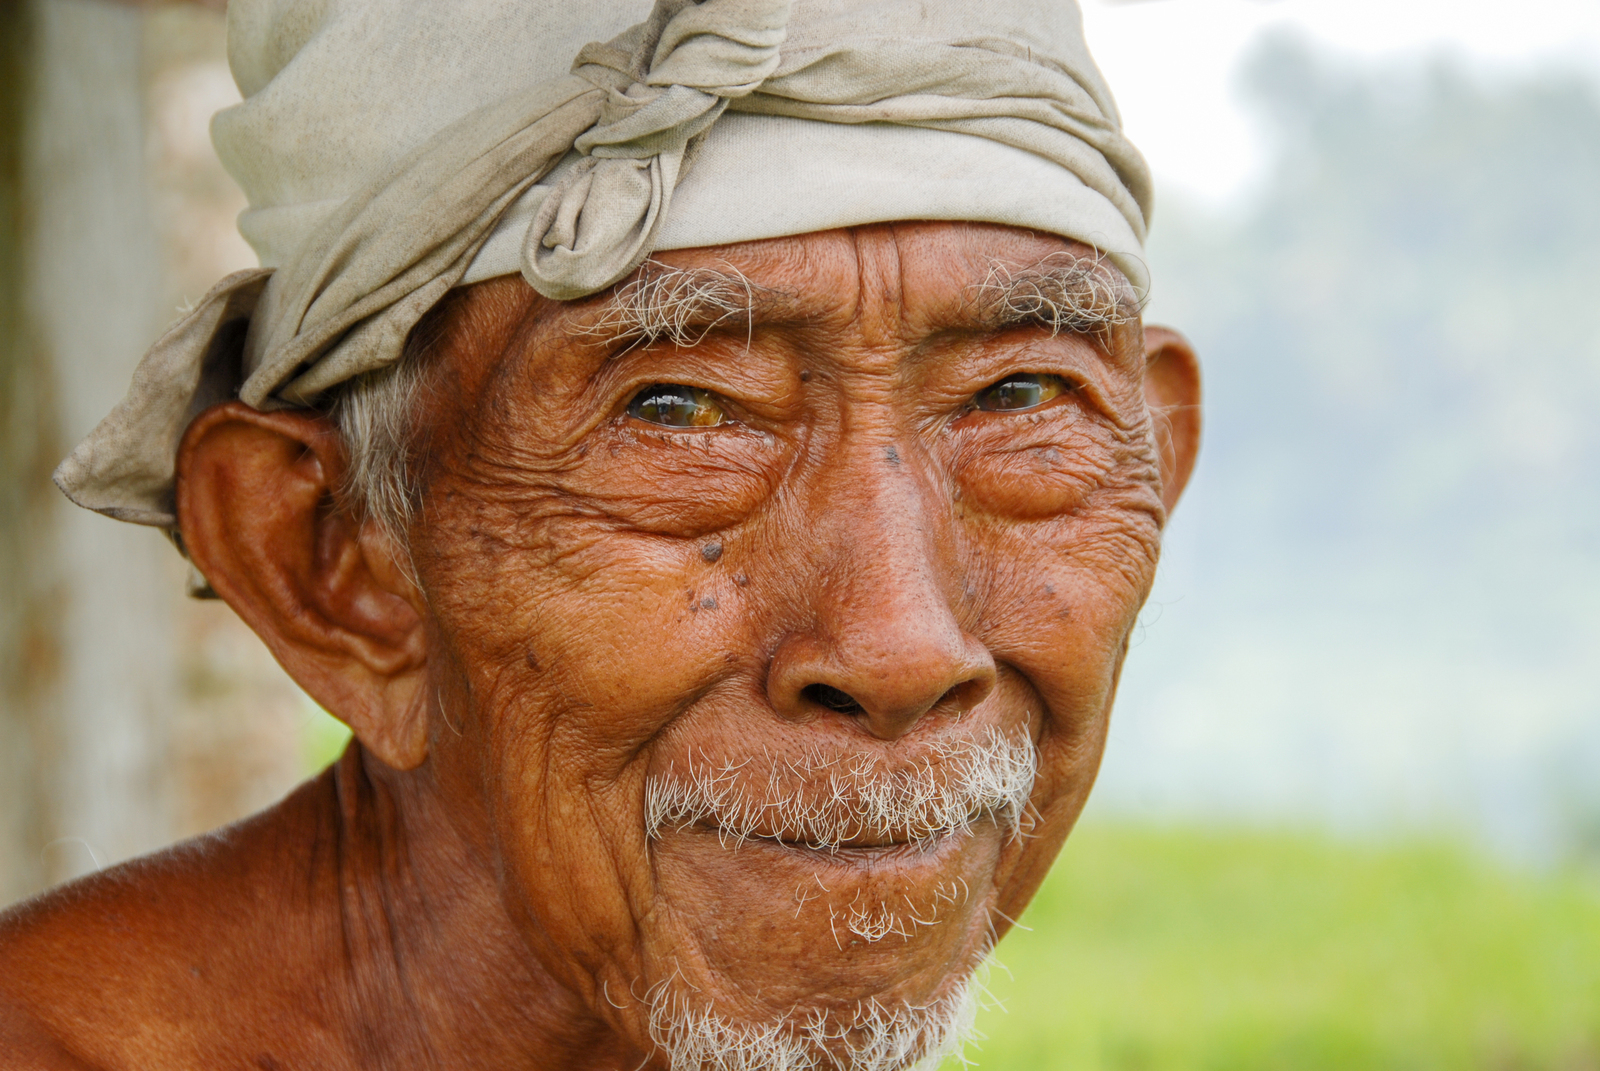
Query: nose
pixel 883 644
pixel 886 678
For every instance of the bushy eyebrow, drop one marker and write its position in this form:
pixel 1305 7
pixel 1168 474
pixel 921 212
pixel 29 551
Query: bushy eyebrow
pixel 678 305
pixel 1075 293
pixel 1072 292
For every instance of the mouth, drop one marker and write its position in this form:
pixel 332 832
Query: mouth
pixel 836 842
pixel 864 845
pixel 834 900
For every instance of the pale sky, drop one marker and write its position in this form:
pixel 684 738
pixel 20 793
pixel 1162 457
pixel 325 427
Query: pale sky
pixel 1172 63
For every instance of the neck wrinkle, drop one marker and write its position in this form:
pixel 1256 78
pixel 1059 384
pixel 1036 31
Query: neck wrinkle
pixel 436 975
pixel 376 896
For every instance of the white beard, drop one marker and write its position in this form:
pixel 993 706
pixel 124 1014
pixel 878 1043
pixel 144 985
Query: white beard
pixel 825 802
pixel 878 1039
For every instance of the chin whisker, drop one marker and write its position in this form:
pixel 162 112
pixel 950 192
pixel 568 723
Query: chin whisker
pixel 873 1037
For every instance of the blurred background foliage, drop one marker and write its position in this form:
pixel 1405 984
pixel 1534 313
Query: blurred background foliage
pixel 1379 605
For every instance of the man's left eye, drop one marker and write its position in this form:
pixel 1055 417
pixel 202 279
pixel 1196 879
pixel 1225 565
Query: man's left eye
pixel 1021 391
pixel 673 405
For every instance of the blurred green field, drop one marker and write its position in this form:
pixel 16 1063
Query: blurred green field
pixel 1215 950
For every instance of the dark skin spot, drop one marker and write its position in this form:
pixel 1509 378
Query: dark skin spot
pixel 711 551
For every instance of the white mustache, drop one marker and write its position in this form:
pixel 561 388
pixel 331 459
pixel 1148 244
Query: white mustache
pixel 829 802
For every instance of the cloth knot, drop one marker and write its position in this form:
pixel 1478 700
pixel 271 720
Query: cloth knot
pixel 686 62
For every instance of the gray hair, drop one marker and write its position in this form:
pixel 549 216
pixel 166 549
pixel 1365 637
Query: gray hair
pixel 375 416
pixel 826 801
pixel 875 1038
pixel 1068 292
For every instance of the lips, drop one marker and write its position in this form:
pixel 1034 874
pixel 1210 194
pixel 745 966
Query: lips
pixel 864 841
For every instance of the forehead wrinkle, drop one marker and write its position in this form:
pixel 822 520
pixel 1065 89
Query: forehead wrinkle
pixel 484 328
pixel 880 294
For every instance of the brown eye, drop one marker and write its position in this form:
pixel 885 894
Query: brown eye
pixel 672 405
pixel 1022 391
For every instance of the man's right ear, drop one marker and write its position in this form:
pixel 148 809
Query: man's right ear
pixel 259 518
pixel 1172 391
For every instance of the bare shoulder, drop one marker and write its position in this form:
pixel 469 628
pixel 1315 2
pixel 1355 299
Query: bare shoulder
pixel 26 1044
pixel 144 964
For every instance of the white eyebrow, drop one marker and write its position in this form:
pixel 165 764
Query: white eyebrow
pixel 1063 292
pixel 677 305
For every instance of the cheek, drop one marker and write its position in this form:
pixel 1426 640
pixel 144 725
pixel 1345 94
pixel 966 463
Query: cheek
pixel 1059 598
pixel 1057 627
pixel 610 632
pixel 575 654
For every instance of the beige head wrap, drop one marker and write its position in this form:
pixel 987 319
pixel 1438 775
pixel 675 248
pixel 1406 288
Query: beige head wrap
pixel 393 149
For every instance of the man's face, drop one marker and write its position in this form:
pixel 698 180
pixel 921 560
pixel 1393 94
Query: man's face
pixel 775 649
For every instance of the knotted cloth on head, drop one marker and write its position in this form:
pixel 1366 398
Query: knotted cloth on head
pixel 392 150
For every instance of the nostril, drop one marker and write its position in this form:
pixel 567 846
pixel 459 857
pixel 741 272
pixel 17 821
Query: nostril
pixel 831 698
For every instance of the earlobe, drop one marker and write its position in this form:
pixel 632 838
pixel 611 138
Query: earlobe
pixel 325 592
pixel 1172 392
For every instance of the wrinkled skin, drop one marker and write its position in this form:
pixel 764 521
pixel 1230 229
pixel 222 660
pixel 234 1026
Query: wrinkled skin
pixel 602 600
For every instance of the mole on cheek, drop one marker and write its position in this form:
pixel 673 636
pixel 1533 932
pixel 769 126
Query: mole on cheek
pixel 711 551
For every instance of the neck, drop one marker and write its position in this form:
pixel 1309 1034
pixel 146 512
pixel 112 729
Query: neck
pixel 409 914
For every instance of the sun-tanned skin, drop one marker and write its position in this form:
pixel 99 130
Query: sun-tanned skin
pixel 601 600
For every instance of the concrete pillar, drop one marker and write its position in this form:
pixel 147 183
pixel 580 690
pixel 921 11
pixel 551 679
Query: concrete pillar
pixel 29 630
pixel 91 647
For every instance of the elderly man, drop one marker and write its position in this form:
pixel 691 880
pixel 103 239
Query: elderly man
pixel 714 473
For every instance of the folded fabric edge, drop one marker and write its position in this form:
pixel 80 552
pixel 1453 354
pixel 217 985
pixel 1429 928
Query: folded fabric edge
pixel 124 467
